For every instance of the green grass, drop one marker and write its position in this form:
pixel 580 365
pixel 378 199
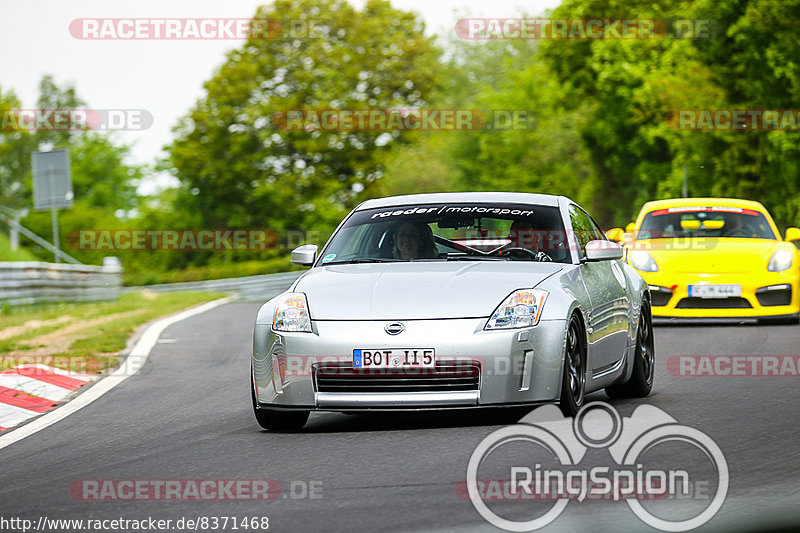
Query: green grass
pixel 20 254
pixel 230 270
pixel 96 348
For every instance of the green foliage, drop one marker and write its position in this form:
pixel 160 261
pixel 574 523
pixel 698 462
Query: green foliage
pixel 7 254
pixel 15 154
pixel 751 64
pixel 597 127
pixel 238 168
pixel 238 269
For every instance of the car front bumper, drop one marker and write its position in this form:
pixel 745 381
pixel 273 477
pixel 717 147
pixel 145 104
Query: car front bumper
pixel 492 368
pixel 764 295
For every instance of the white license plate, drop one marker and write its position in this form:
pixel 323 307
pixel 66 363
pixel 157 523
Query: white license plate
pixel 715 291
pixel 394 358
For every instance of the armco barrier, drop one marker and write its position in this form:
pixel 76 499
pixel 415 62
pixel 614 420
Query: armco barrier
pixel 23 282
pixel 253 288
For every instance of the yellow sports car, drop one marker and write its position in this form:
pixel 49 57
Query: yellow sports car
pixel 714 258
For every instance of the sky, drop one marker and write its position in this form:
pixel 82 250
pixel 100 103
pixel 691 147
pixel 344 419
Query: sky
pixel 161 77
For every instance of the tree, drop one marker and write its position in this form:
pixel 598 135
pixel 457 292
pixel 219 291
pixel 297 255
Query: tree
pixel 238 168
pixel 103 182
pixel 15 149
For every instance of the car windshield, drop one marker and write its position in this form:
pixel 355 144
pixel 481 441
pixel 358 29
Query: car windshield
pixel 716 222
pixel 452 232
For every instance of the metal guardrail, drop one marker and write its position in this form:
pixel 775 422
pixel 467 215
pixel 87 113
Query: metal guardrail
pixel 28 282
pixel 38 240
pixel 249 288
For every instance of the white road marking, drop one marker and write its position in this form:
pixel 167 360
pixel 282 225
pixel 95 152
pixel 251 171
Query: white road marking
pixel 139 353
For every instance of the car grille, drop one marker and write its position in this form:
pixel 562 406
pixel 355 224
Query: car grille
pixel 713 303
pixel 769 297
pixel 444 377
pixel 660 296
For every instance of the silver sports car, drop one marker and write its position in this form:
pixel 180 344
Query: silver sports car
pixel 456 300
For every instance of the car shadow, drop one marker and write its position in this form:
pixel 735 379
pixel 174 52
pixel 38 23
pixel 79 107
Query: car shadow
pixel 412 420
pixel 334 422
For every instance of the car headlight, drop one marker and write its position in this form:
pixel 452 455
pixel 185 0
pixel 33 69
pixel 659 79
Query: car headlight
pixel 643 261
pixel 291 313
pixel 522 309
pixel 780 260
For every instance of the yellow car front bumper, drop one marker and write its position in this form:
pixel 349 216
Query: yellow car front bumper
pixel 765 295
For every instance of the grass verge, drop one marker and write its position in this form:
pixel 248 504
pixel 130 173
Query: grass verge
pixel 138 277
pixel 86 336
pixel 7 254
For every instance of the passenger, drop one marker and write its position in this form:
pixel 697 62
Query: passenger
pixel 414 241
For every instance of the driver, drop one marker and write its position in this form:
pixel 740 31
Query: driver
pixel 413 240
pixel 523 235
pixel 734 227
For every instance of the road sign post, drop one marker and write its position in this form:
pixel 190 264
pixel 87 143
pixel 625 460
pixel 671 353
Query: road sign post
pixel 52 186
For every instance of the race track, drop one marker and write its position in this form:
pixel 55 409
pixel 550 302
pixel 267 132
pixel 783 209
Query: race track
pixel 187 415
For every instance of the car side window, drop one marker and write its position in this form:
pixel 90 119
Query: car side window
pixel 584 227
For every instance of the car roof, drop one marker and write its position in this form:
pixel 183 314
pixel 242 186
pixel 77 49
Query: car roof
pixel 462 197
pixel 703 202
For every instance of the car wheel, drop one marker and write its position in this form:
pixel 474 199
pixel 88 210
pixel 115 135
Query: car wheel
pixel 573 385
pixel 641 381
pixel 280 420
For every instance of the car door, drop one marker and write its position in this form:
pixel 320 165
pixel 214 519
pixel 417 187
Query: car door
pixel 607 321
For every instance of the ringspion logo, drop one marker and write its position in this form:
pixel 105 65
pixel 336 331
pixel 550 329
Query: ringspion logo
pixel 545 468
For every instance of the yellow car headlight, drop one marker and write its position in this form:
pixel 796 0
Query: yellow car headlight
pixel 642 261
pixel 781 260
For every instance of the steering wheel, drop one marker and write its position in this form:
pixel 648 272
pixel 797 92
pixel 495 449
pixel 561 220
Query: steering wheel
pixel 516 250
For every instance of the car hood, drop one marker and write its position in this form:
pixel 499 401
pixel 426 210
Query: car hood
pixel 705 255
pixel 419 290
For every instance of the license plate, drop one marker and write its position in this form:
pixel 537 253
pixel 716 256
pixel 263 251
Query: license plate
pixel 394 358
pixel 715 291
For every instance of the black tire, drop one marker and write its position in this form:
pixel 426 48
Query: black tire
pixel 277 420
pixel 644 361
pixel 573 383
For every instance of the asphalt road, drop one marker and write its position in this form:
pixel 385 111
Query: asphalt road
pixel 187 415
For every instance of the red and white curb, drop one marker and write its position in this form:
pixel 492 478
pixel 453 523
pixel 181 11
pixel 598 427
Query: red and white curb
pixel 139 353
pixel 30 390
